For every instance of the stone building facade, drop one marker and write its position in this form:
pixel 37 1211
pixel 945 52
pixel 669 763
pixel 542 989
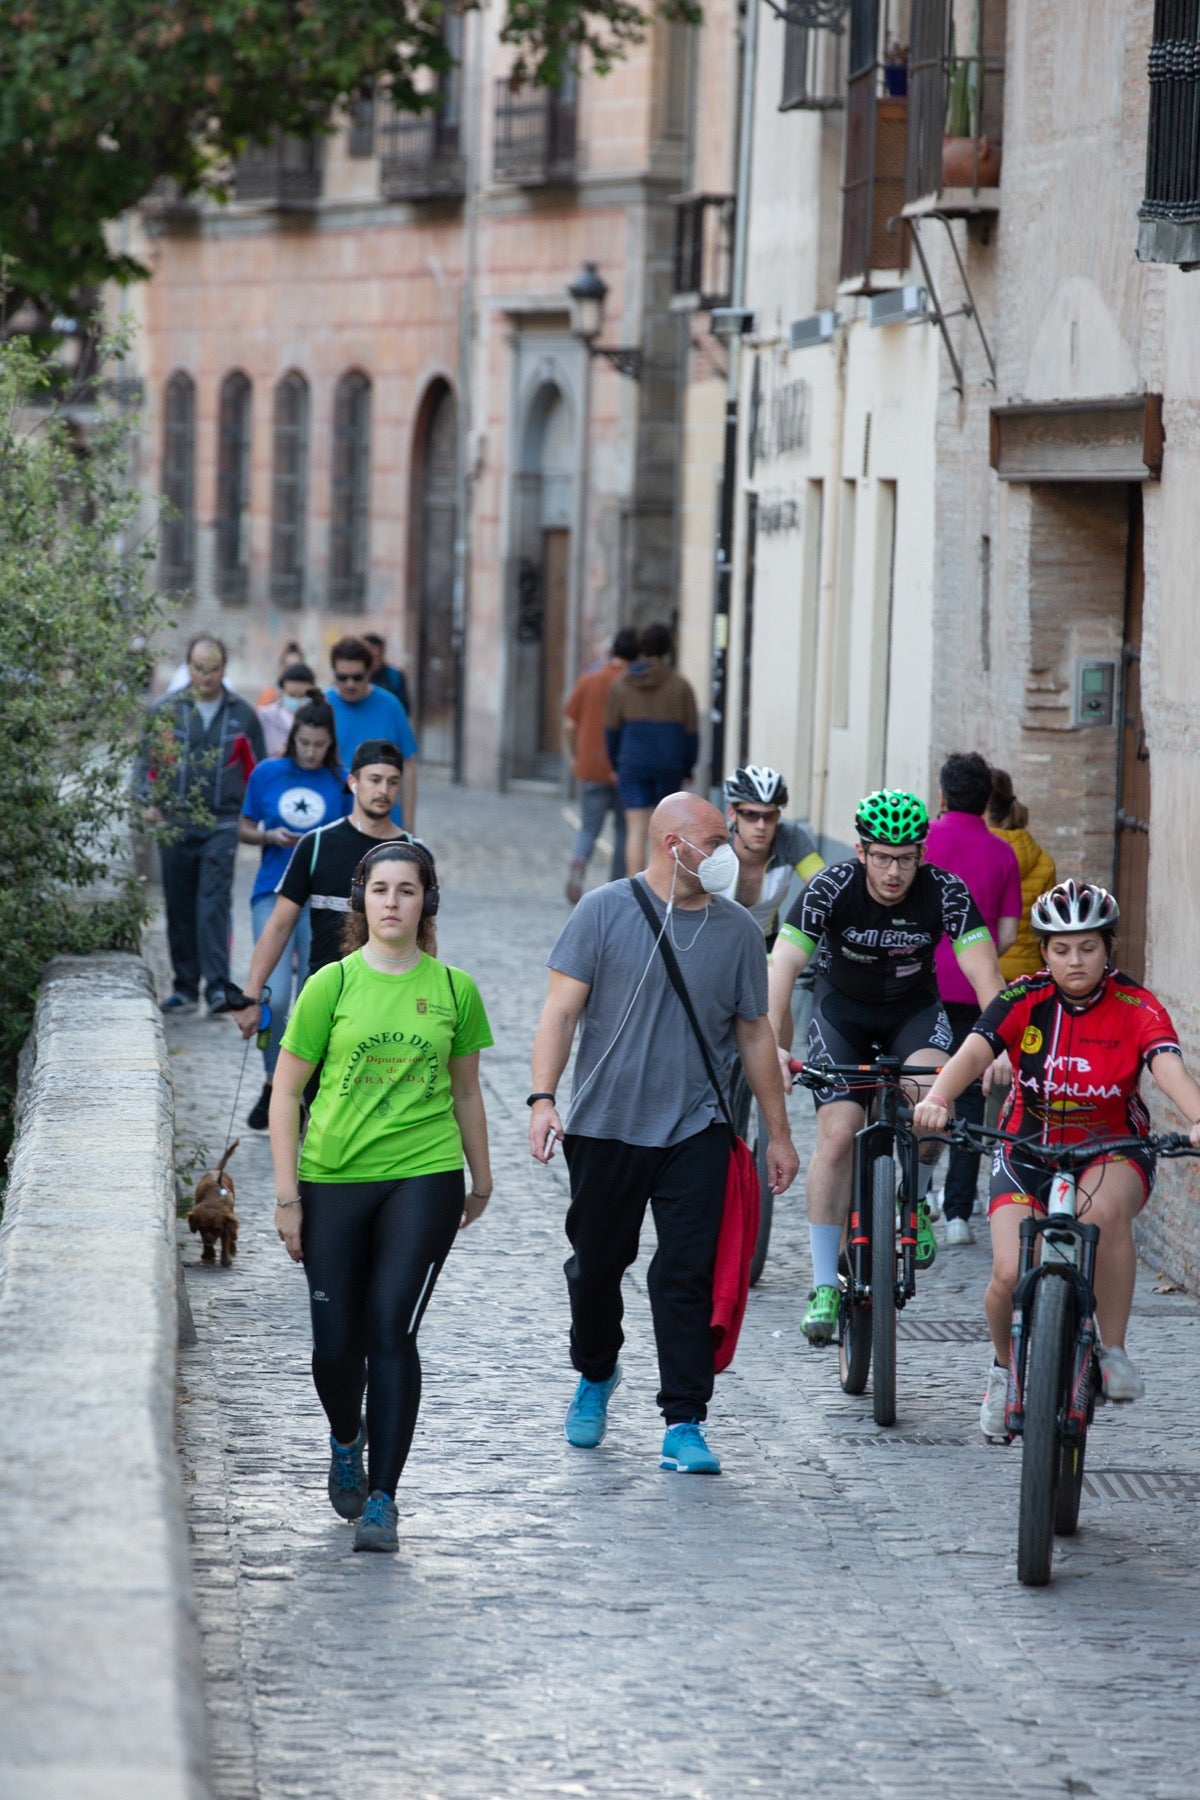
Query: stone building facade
pixel 366 399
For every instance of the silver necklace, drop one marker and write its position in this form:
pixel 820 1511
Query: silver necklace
pixel 684 948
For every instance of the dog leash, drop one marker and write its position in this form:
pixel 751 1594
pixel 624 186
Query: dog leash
pixel 260 1042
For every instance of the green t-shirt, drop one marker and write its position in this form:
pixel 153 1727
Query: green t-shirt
pixel 384 1108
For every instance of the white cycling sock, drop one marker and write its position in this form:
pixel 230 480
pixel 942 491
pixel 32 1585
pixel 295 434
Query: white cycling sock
pixel 825 1243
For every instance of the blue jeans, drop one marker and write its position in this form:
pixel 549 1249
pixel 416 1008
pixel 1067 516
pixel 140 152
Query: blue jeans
pixel 280 979
pixel 596 800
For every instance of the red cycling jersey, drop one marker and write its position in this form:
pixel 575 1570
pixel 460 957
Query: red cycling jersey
pixel 1076 1068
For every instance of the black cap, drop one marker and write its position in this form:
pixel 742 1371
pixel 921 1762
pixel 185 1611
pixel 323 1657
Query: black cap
pixel 376 750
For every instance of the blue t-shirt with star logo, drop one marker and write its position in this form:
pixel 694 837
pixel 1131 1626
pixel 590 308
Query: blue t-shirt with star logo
pixel 280 792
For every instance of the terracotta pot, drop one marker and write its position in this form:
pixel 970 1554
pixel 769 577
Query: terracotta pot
pixel 970 162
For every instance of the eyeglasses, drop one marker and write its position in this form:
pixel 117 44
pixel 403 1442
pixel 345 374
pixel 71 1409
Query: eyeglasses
pixel 342 676
pixel 905 861
pixel 753 817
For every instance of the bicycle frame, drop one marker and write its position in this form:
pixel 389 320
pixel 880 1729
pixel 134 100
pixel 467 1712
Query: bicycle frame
pixel 1068 1247
pixel 885 1134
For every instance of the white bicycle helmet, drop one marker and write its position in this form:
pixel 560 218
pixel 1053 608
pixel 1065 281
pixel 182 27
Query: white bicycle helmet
pixel 1074 906
pixel 755 785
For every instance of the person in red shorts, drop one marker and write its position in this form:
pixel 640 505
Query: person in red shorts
pixel 1079 1034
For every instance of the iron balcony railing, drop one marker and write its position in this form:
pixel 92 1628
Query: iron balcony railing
pixel 287 171
pixel 953 96
pixel 703 251
pixel 814 55
pixel 874 238
pixel 535 133
pixel 1170 212
pixel 420 154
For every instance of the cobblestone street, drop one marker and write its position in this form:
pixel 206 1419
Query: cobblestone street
pixel 841 1605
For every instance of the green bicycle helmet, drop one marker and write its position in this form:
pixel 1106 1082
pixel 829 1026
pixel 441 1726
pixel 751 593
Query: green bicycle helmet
pixel 891 816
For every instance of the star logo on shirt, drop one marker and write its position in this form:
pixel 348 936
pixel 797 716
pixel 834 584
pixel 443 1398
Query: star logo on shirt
pixel 301 808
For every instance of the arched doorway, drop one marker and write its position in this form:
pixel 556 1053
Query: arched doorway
pixel 434 516
pixel 544 502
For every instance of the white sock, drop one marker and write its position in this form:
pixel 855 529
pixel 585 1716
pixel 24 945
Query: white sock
pixel 825 1244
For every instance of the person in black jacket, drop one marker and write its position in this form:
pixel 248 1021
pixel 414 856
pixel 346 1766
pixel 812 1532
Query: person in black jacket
pixel 199 747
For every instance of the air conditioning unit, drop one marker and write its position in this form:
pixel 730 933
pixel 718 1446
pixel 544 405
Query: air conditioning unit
pixel 818 328
pixel 899 306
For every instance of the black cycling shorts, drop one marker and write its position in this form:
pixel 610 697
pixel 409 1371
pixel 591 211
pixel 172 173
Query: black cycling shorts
pixel 854 1031
pixel 1017 1181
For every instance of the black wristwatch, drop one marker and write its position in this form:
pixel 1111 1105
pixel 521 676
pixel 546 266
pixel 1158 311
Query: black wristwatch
pixel 533 1097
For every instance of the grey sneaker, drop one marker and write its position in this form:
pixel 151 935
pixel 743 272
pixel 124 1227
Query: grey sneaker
pixel 958 1231
pixel 991 1413
pixel 378 1527
pixel 1121 1380
pixel 587 1416
pixel 347 1477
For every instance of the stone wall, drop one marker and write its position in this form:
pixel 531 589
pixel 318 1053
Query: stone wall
pixel 99 1653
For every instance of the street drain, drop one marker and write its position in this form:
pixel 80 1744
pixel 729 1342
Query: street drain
pixel 1142 1484
pixel 887 1440
pixel 942 1331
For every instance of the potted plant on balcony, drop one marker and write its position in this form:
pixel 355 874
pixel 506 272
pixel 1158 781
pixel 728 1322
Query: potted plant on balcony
pixel 968 158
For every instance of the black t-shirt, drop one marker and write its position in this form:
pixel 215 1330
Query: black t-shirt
pixel 319 873
pixel 879 953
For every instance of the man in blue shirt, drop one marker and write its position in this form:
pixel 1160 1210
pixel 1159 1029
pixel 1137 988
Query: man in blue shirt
pixel 363 711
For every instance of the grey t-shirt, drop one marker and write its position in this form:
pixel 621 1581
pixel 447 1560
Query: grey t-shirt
pixel 651 1087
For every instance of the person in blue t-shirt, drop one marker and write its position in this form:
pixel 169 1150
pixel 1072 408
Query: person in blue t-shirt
pixel 286 797
pixel 361 711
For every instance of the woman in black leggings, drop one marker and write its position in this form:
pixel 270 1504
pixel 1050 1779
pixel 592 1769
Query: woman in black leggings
pixel 378 1195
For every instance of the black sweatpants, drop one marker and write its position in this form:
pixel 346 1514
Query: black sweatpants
pixel 611 1184
pixel 372 1253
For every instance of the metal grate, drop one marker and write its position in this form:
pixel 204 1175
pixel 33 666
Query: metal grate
pixel 942 1331
pixel 1142 1484
pixel 890 1439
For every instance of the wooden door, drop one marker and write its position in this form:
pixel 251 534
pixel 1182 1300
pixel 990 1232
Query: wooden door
pixel 1133 783
pixel 556 567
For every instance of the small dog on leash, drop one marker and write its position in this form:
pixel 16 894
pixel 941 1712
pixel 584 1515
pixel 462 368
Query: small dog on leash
pixel 212 1215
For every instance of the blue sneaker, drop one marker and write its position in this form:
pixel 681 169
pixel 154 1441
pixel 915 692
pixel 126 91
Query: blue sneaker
pixel 587 1416
pixel 377 1529
pixel 347 1477
pixel 685 1450
pixel 178 1003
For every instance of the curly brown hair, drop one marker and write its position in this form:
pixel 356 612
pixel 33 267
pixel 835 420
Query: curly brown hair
pixel 354 926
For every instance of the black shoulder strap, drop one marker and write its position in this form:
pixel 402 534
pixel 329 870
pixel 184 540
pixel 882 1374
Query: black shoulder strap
pixel 453 993
pixel 675 974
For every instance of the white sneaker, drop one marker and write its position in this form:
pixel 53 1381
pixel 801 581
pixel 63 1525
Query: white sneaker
pixel 958 1231
pixel 1121 1379
pixel 991 1413
pixel 933 1200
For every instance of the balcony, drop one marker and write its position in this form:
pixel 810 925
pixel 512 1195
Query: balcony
pixel 534 144
pixel 1169 216
pixel 420 154
pixel 875 240
pixel 814 55
pixel 956 110
pixel 285 173
pixel 703 252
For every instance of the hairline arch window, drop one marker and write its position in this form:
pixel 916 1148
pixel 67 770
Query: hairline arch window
pixel 289 489
pixel 178 483
pixel 233 490
pixel 350 492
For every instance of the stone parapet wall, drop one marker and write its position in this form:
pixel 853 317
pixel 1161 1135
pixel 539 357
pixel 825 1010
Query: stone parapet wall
pixel 99 1652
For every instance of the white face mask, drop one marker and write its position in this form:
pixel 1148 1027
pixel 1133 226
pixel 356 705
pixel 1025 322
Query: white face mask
pixel 292 701
pixel 716 870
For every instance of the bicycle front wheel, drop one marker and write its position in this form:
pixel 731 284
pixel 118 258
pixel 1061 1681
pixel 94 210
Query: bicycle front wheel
pixel 883 1289
pixel 1045 1363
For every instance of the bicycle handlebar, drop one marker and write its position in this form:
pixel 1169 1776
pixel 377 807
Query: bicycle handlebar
pixel 1066 1156
pixel 814 1075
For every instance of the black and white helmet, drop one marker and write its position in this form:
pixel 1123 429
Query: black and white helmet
pixel 756 786
pixel 1074 906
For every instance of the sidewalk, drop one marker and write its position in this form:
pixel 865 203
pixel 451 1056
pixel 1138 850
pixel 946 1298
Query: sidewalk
pixel 840 1606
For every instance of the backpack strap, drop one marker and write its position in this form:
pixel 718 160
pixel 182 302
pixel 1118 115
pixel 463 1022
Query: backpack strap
pixel 675 975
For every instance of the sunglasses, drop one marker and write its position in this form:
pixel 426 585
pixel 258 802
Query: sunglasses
pixel 346 675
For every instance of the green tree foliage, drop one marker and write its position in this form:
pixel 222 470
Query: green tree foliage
pixel 76 612
pixel 102 99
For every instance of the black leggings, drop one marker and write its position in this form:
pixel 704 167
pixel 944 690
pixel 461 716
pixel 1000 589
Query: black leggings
pixel 372 1253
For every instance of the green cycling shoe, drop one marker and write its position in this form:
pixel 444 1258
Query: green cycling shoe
pixel 821 1318
pixel 926 1241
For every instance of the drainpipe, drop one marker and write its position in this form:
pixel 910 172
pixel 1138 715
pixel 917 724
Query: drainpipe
pixel 829 597
pixel 727 523
pixel 464 496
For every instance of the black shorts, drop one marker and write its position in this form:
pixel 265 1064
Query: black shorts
pixel 853 1031
pixel 1017 1181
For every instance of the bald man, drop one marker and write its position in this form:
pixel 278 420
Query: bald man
pixel 644 1124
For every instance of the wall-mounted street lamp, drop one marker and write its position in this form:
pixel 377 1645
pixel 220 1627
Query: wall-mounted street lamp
pixel 587 294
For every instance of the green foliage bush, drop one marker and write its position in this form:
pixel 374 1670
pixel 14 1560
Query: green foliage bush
pixel 77 610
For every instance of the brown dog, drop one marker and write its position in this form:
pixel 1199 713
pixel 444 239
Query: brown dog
pixel 212 1215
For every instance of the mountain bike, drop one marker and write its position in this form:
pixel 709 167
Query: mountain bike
pixel 1053 1369
pixel 879 1271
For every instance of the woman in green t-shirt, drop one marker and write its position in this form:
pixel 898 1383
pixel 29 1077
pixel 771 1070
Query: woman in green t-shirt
pixel 372 1203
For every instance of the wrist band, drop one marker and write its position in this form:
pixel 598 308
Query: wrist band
pixel 475 1195
pixel 937 1100
pixel 295 1202
pixel 533 1097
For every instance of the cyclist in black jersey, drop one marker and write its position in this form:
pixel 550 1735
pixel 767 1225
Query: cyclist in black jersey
pixel 872 922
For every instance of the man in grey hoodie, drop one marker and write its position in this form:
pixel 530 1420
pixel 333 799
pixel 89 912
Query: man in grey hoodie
pixel 199 748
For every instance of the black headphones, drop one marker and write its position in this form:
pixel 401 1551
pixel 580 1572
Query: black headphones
pixel 358 881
